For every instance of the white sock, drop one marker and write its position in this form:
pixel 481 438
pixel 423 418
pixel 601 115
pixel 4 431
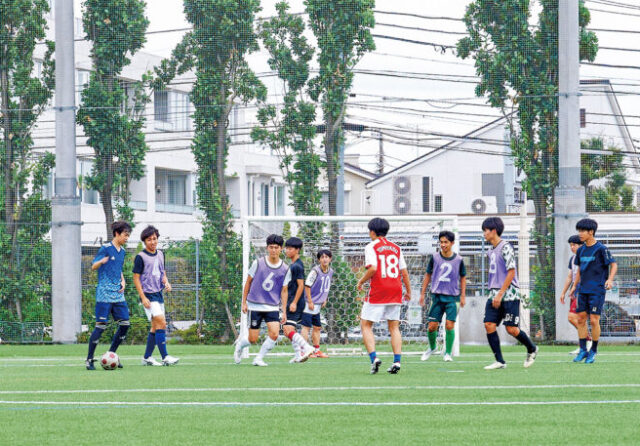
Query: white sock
pixel 244 342
pixel 299 341
pixel 267 345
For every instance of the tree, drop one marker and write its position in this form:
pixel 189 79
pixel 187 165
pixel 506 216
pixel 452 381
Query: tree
pixel 112 111
pixel 612 194
pixel 223 36
pixel 290 130
pixel 25 211
pixel 343 31
pixel 518 67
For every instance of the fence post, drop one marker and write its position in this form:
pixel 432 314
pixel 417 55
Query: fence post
pixel 197 282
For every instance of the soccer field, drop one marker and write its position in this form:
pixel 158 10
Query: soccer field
pixel 47 396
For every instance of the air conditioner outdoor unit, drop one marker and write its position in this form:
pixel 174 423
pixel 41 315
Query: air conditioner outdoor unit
pixel 407 194
pixel 484 205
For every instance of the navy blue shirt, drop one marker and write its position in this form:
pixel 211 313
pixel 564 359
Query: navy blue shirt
pixel 110 274
pixel 297 272
pixel 594 264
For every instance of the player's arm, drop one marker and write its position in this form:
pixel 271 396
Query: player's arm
pixel 284 296
pixel 423 291
pixel 298 295
pixel 245 293
pixel 575 283
pixel 122 282
pixel 136 281
pixel 407 284
pixel 99 261
pixel 565 288
pixel 371 271
pixel 613 270
pixel 371 263
pixel 463 291
pixel 307 293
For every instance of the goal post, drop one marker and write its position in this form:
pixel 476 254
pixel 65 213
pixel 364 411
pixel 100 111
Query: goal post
pixel 347 237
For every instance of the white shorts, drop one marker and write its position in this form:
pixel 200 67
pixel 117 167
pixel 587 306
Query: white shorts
pixel 380 312
pixel 157 309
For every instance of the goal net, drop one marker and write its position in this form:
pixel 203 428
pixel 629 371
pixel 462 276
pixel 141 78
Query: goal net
pixel 347 237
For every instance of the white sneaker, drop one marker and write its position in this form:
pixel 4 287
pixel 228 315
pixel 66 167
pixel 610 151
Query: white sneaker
pixel 237 353
pixel 426 355
pixel 531 357
pixel 496 365
pixel 447 358
pixel 307 351
pixel 259 362
pixel 575 352
pixel 150 361
pixel 294 360
pixel 170 360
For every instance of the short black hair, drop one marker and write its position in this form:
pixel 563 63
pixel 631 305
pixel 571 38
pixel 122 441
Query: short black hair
pixel 325 252
pixel 379 226
pixel 448 234
pixel 293 242
pixel 275 239
pixel 575 240
pixel 587 224
pixel 148 232
pixel 118 227
pixel 493 223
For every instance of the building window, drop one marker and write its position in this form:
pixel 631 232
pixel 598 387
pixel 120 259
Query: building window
pixel 265 199
pixel 583 118
pixel 279 198
pixel 87 196
pixel 173 191
pixel 180 111
pixel 426 194
pixel 161 106
pixel 437 203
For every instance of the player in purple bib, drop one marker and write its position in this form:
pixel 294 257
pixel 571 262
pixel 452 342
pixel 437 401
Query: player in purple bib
pixel 503 304
pixel 261 299
pixel 316 289
pixel 446 274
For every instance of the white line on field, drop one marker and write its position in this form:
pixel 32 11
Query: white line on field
pixel 316 389
pixel 294 403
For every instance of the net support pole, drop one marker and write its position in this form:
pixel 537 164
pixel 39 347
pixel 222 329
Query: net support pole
pixel 569 195
pixel 246 251
pixel 523 263
pixel 65 210
pixel 456 329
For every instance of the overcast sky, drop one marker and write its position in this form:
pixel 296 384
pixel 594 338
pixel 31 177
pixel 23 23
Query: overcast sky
pixel 374 92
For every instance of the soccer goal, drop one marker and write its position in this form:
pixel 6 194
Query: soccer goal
pixel 347 237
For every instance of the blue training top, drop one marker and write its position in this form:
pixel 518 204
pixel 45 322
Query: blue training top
pixel 594 264
pixel 110 274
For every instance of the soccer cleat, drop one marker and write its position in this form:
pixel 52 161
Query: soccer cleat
pixel 447 358
pixel 394 369
pixel 237 353
pixel 294 360
pixel 591 357
pixel 375 366
pixel 150 361
pixel 531 357
pixel 582 355
pixel 120 364
pixel 426 355
pixel 496 365
pixel 89 364
pixel 258 362
pixel 575 352
pixel 307 351
pixel 321 354
pixel 170 360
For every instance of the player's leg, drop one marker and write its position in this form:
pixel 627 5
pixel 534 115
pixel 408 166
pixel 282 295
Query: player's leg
pixel 573 319
pixel 148 359
pixel 451 310
pixel 315 337
pixel 583 331
pixel 120 314
pixel 306 325
pixel 159 324
pixel 396 343
pixel 244 341
pixel 369 315
pixel 492 318
pixel 434 318
pixel 273 329
pixel 595 304
pixel 102 316
pixel 301 347
pixel 512 324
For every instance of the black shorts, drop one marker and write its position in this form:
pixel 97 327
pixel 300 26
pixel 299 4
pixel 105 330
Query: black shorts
pixel 256 318
pixel 309 320
pixel 508 313
pixel 295 319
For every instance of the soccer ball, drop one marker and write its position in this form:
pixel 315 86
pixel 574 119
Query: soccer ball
pixel 109 361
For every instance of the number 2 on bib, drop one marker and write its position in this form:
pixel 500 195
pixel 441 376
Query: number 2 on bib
pixel 389 266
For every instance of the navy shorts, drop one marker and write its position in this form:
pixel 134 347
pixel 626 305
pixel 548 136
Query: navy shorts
pixel 590 303
pixel 309 320
pixel 508 313
pixel 294 319
pixel 256 318
pixel 119 311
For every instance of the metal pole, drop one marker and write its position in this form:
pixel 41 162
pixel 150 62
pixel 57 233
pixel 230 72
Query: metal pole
pixel 65 232
pixel 340 181
pixel 246 252
pixel 569 195
pixel 198 282
pixel 523 263
pixel 380 154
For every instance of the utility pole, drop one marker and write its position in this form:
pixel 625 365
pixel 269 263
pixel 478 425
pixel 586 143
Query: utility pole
pixel 65 212
pixel 569 195
pixel 380 153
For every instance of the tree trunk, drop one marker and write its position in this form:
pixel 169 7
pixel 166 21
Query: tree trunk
pixel 106 194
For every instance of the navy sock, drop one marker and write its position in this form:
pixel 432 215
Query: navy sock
pixel 396 358
pixel 372 356
pixel 494 343
pixel 93 341
pixel 594 346
pixel 524 340
pixel 151 344
pixel 583 344
pixel 118 337
pixel 161 341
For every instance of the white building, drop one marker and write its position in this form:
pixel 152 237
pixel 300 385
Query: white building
pixel 473 175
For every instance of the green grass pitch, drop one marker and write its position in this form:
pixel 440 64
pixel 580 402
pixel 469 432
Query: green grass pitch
pixel 47 397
